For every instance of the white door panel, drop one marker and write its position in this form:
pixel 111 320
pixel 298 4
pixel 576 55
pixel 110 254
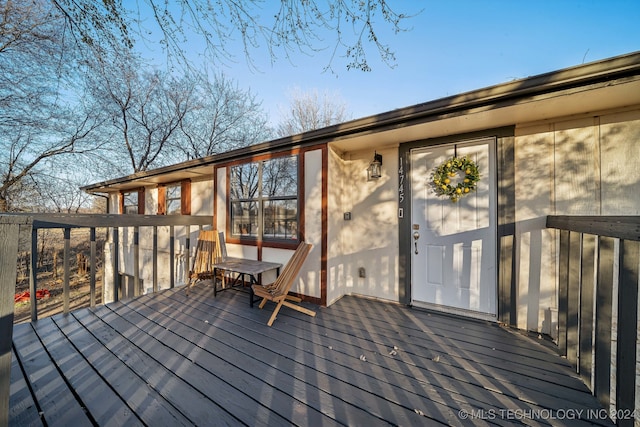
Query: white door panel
pixel 455 264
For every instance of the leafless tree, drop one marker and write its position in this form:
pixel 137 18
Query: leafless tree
pixel 220 117
pixel 61 194
pixel 310 110
pixel 48 47
pixel 145 108
pixel 158 118
pixel 41 115
pixel 344 28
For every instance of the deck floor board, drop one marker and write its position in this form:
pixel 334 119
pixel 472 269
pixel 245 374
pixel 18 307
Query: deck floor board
pixel 519 371
pixel 341 358
pixel 50 389
pixel 172 359
pixel 141 399
pixel 104 405
pixel 279 362
pixel 22 407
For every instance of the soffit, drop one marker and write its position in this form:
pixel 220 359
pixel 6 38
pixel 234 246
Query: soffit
pixel 133 182
pixel 592 100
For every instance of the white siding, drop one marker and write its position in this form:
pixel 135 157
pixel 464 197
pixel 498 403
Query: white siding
pixel 585 166
pixel 370 239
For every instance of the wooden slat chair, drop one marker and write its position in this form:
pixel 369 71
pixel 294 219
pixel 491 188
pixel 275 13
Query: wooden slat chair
pixel 208 251
pixel 278 291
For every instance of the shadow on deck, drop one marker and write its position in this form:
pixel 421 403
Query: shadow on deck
pixel 165 359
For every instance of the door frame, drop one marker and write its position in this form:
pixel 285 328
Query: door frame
pixel 505 210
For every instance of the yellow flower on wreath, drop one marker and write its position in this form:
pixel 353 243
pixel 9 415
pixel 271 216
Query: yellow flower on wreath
pixel 441 179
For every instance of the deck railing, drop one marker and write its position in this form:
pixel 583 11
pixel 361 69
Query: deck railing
pixel 599 259
pixel 114 224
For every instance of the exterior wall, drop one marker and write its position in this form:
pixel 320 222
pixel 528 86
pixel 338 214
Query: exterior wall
pixel 309 281
pixel 582 166
pixel 336 176
pixel 220 219
pixel 370 239
pixel 535 259
pixel 202 197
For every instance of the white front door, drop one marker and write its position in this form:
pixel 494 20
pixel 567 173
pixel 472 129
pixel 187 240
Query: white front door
pixel 453 248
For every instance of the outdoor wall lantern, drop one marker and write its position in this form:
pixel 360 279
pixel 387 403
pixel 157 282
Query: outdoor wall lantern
pixel 374 171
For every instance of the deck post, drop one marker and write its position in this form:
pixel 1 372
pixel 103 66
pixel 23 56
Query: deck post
pixel 92 273
pixel 33 274
pixel 172 256
pixel 65 261
pixel 136 261
pixel 9 238
pixel 155 258
pixel 116 263
pixel 187 244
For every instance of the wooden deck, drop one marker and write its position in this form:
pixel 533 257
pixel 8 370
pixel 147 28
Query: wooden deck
pixel 166 359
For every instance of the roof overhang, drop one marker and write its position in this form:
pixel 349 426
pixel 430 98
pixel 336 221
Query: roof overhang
pixel 599 86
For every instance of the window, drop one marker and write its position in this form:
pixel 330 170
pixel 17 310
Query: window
pixel 174 199
pixel 264 199
pixel 130 203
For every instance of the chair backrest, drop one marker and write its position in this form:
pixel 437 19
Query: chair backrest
pixel 283 283
pixel 207 251
pixel 222 246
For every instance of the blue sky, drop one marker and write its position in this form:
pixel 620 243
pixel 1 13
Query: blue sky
pixel 455 46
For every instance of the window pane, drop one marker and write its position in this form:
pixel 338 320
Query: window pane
pixel 173 207
pixel 173 199
pixel 131 203
pixel 281 219
pixel 244 181
pixel 244 218
pixel 280 177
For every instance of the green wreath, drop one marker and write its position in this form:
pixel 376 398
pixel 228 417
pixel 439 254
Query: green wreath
pixel 447 178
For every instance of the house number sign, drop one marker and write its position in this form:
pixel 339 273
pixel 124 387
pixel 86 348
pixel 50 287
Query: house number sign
pixel 400 187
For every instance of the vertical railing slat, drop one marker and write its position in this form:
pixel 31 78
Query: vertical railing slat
pixel 604 295
pixel 92 267
pixel 627 330
pixel 563 291
pixel 587 285
pixel 573 297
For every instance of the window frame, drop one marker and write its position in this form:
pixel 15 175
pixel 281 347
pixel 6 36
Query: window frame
pixel 261 200
pixel 185 197
pixel 168 200
pixel 138 206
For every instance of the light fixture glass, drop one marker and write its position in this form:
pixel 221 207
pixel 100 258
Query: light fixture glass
pixel 374 171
